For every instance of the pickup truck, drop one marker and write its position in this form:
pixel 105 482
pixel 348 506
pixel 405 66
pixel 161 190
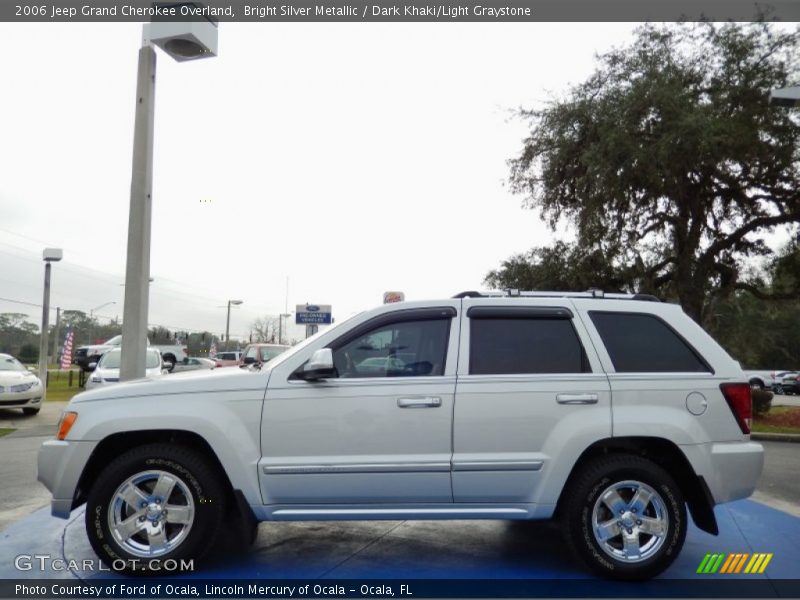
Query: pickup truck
pixel 87 357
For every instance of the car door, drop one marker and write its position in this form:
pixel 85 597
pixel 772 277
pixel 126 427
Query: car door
pixel 378 432
pixel 531 396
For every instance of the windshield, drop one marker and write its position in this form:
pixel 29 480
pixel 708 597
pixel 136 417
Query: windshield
pixel 9 363
pixel 268 353
pixel 111 360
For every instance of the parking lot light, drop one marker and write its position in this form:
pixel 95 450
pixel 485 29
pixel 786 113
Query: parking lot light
pixel 49 255
pixel 228 322
pixel 788 97
pixel 182 41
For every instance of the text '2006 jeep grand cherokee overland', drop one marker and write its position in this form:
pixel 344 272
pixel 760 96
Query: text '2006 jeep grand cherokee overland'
pixel 610 413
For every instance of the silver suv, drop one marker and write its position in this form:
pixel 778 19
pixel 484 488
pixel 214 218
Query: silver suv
pixel 611 413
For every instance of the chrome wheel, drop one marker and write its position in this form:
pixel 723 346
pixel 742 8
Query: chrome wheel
pixel 630 521
pixel 151 513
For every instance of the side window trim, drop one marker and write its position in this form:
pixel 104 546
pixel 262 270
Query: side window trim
pixel 399 316
pixel 701 359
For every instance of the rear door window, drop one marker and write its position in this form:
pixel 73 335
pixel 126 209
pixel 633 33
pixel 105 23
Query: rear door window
pixel 643 343
pixel 504 346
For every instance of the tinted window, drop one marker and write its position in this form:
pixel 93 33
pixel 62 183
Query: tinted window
pixel 409 348
pixel 509 346
pixel 639 343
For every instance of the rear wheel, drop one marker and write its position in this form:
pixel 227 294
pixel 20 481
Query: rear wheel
pixel 625 517
pixel 154 504
pixel 778 388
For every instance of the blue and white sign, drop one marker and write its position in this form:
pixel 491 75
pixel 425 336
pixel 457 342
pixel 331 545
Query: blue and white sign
pixel 313 314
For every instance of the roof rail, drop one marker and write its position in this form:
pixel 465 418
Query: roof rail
pixel 590 293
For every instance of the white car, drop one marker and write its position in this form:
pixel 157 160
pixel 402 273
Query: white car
pixel 107 370
pixel 502 409
pixel 19 388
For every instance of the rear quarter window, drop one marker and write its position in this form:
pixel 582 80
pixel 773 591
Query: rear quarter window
pixel 644 343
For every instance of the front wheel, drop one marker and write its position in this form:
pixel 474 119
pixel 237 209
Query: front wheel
pixel 778 388
pixel 625 517
pixel 154 509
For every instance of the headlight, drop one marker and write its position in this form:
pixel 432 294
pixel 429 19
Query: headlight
pixel 21 387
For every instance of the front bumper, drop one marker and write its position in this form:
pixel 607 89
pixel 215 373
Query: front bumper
pixel 28 398
pixel 61 464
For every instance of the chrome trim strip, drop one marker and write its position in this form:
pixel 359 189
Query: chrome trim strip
pixel 356 468
pixel 490 465
pixel 372 512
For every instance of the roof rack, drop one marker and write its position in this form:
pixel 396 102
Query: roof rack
pixel 591 293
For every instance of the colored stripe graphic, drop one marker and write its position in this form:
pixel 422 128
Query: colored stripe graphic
pixel 734 563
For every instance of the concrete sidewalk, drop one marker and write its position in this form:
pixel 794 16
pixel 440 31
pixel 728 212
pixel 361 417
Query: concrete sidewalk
pixel 418 549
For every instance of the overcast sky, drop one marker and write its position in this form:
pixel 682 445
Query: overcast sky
pixel 351 158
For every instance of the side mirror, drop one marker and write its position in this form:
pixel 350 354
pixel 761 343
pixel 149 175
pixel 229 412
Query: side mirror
pixel 91 366
pixel 249 360
pixel 319 366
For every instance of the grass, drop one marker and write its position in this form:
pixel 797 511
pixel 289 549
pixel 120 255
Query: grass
pixel 59 388
pixel 6 431
pixel 780 419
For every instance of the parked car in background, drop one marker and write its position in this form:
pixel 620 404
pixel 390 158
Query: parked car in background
pixel 193 364
pixel 766 380
pixel 790 383
pixel 19 388
pixel 780 376
pixel 227 358
pixel 86 355
pixel 107 370
pixel 261 353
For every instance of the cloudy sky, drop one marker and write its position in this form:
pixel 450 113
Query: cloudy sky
pixel 351 158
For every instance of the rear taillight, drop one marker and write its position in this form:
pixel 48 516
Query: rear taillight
pixel 740 401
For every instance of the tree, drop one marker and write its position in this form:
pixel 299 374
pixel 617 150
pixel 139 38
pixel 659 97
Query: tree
pixel 16 332
pixel 670 163
pixel 265 329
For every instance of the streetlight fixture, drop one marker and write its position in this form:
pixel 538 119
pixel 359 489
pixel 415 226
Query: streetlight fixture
pixel 182 41
pixel 788 97
pixel 49 255
pixel 228 322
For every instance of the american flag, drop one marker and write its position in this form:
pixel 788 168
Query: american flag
pixel 66 351
pixel 212 352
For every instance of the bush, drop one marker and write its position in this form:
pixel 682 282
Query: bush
pixel 762 402
pixel 28 353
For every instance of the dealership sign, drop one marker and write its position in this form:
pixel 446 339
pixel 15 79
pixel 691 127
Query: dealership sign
pixel 313 314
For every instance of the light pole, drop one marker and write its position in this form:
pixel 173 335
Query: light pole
pixel 49 255
pixel 182 41
pixel 788 96
pixel 228 321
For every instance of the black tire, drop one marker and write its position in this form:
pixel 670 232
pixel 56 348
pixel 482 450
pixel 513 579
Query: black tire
pixel 195 476
pixel 757 384
pixel 778 388
pixel 169 362
pixel 582 504
pixel 29 411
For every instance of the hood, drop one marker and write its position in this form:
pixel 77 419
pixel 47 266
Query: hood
pixel 94 348
pixel 205 380
pixel 15 376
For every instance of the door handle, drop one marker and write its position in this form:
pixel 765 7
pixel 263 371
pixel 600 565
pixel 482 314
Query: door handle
pixel 420 402
pixel 577 398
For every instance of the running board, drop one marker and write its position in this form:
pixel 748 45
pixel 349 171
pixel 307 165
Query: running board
pixel 358 514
